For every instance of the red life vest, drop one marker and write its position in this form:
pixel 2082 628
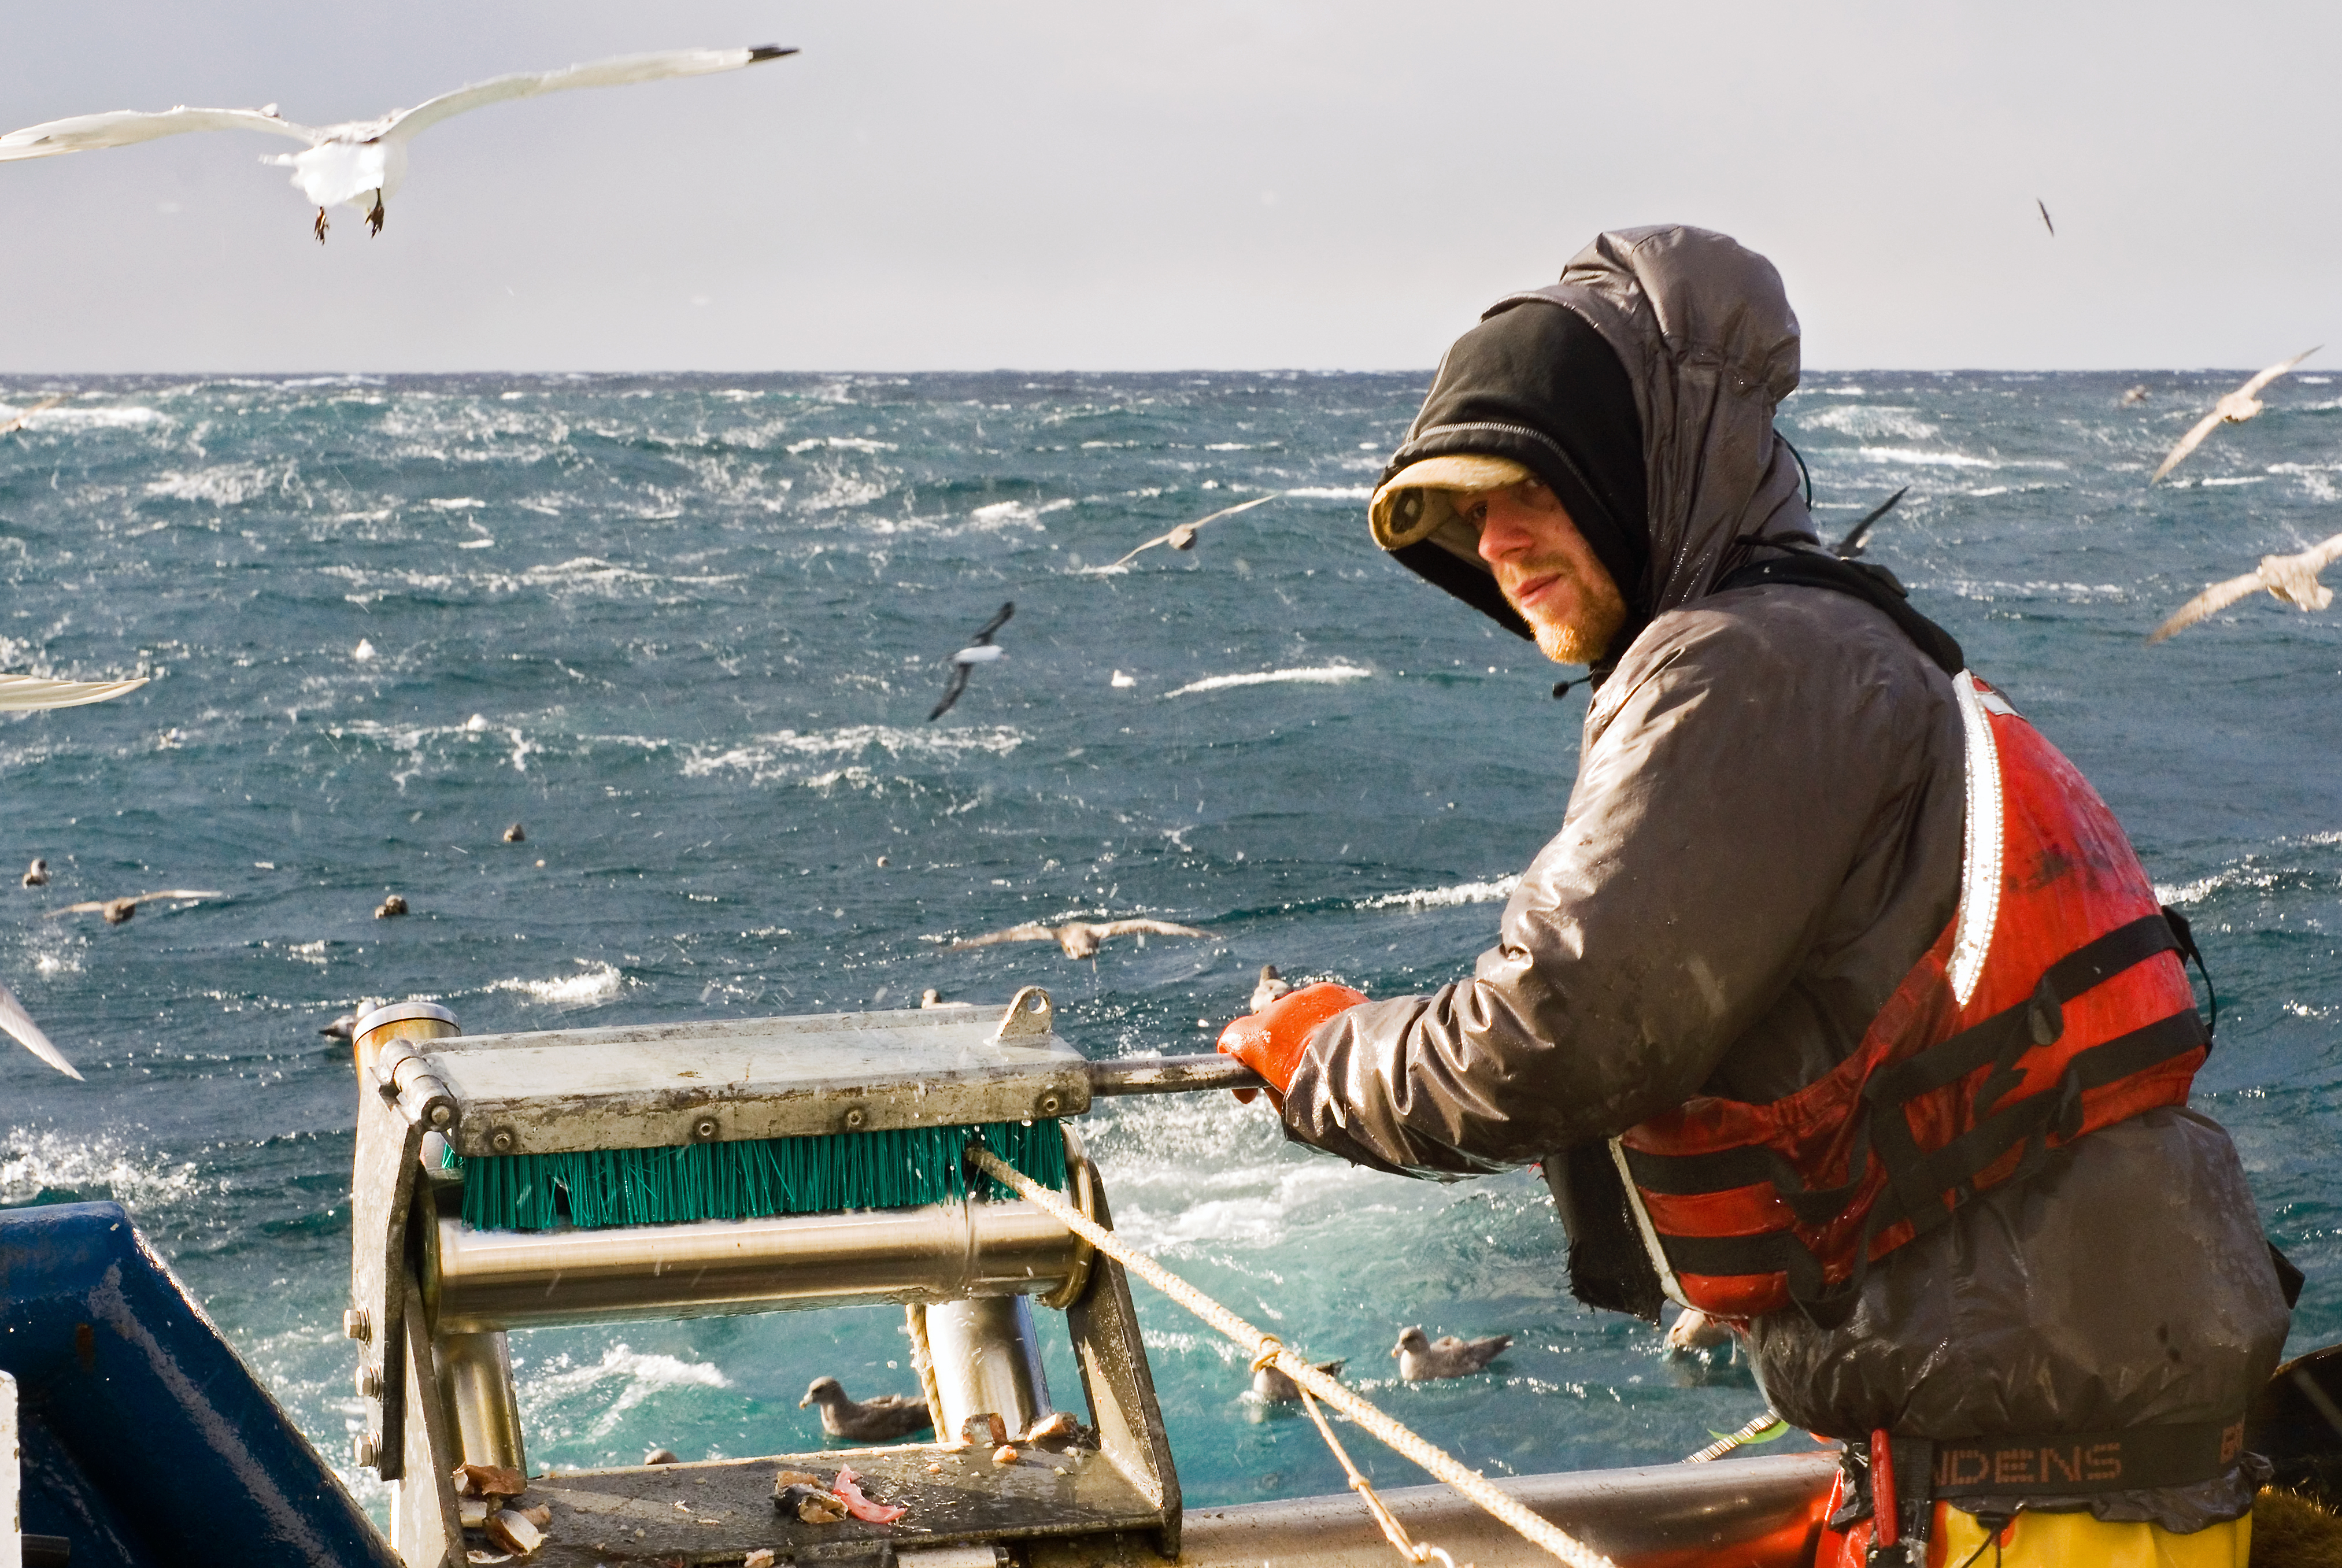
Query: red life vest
pixel 2055 1004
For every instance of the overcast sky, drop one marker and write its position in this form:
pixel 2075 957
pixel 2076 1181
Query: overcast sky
pixel 1094 183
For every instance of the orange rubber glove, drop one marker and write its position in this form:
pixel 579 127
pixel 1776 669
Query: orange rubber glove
pixel 1270 1042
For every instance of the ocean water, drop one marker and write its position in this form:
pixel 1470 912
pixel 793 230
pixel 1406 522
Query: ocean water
pixel 687 630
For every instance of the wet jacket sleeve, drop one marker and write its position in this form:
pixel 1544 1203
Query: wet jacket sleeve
pixel 1741 771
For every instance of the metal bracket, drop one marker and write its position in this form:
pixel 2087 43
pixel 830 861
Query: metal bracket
pixel 1030 1016
pixel 1121 1390
pixel 382 1195
pixel 426 1529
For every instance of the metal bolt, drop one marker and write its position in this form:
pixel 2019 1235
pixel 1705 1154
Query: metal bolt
pixel 441 1116
pixel 1050 1104
pixel 368 1449
pixel 705 1129
pixel 369 1383
pixel 855 1118
pixel 356 1324
pixel 502 1140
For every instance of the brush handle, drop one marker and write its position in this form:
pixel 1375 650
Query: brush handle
pixel 1171 1074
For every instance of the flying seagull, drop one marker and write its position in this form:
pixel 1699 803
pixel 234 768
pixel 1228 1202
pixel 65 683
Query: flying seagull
pixel 979 651
pixel 1183 537
pixel 363 162
pixel 2235 409
pixel 2045 218
pixel 1078 938
pixel 27 411
pixel 25 691
pixel 117 909
pixel 2292 578
pixel 1847 548
pixel 18 1024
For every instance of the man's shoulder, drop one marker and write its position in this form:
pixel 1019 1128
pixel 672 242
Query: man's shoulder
pixel 1773 631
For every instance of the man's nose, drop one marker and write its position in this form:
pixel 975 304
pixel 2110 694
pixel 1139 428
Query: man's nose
pixel 1501 535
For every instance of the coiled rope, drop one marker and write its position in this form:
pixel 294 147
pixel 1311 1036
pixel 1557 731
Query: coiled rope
pixel 1269 1350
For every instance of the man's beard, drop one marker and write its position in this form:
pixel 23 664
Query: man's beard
pixel 1588 634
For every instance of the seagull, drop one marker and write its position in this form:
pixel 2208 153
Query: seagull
pixel 2134 396
pixel 2292 578
pixel 2045 218
pixel 341 1028
pixel 117 909
pixel 2235 408
pixel 28 413
pixel 931 1000
pixel 1420 1360
pixel 21 692
pixel 1183 537
pixel 1273 1387
pixel 37 873
pixel 979 651
pixel 1272 985
pixel 890 1415
pixel 1695 1331
pixel 1847 548
pixel 1078 938
pixel 18 1024
pixel 363 162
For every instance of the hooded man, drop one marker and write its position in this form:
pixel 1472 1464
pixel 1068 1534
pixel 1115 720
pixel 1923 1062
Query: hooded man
pixel 1839 1007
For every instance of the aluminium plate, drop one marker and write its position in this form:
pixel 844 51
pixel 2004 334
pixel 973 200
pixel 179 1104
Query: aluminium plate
pixel 666 1084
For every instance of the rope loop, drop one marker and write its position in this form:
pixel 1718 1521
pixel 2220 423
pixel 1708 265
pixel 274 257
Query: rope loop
pixel 1269 1345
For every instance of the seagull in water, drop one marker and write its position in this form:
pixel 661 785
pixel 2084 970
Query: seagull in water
pixel 18 1024
pixel 1079 938
pixel 1271 1386
pixel 118 910
pixel 2234 409
pixel 1183 537
pixel 1420 1360
pixel 878 1420
pixel 1271 986
pixel 980 650
pixel 1847 548
pixel 363 162
pixel 2292 578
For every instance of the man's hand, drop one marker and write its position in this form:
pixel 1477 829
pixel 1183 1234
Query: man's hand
pixel 1270 1042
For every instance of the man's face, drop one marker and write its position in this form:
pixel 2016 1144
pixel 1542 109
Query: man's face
pixel 1548 571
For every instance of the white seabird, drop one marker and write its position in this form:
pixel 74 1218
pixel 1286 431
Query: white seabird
pixel 364 161
pixel 2234 409
pixel 22 415
pixel 980 650
pixel 18 1024
pixel 2292 578
pixel 1183 537
pixel 19 692
pixel 1079 938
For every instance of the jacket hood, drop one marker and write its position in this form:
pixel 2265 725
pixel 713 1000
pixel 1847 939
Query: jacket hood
pixel 1702 331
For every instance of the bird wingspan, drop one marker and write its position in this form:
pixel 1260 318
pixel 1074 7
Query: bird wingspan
pixel 179 893
pixel 87 906
pixel 2319 556
pixel 29 410
pixel 984 632
pixel 1151 927
pixel 25 692
pixel 1198 523
pixel 121 127
pixel 18 1024
pixel 951 693
pixel 1025 932
pixel 620 71
pixel 2273 371
pixel 2210 602
pixel 1847 548
pixel 2187 444
pixel 1158 539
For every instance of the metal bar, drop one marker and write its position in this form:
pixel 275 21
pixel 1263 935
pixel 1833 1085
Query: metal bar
pixel 708 1268
pixel 1171 1074
pixel 477 1381
pixel 986 1361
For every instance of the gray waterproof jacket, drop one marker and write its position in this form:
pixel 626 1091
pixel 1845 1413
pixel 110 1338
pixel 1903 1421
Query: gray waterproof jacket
pixel 1763 836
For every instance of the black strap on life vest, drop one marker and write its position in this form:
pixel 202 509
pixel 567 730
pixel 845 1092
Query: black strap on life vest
pixel 1874 586
pixel 1919 1180
pixel 2059 1464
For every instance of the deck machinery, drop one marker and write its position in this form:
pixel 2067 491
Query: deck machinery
pixel 432 1298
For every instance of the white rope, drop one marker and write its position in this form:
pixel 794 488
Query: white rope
pixel 1272 1351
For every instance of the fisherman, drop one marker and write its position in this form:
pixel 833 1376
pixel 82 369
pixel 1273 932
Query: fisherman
pixel 1819 903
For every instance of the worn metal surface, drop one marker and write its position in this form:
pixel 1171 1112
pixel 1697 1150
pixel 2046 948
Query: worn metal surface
pixel 1734 1514
pixel 1171 1074
pixel 719 1511
pixel 475 1383
pixel 381 1191
pixel 712 1268
pixel 424 1524
pixel 986 1361
pixel 665 1085
pixel 1120 1387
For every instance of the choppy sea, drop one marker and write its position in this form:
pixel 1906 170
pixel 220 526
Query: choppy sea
pixel 687 629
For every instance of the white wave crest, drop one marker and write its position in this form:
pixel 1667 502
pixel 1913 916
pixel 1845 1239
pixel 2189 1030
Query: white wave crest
pixel 1870 421
pixel 785 752
pixel 66 418
pixel 1495 891
pixel 643 1375
pixel 225 485
pixel 31 1160
pixel 1924 459
pixel 1315 675
pixel 596 982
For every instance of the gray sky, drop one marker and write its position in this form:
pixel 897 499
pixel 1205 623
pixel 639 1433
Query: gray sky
pixel 1337 184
